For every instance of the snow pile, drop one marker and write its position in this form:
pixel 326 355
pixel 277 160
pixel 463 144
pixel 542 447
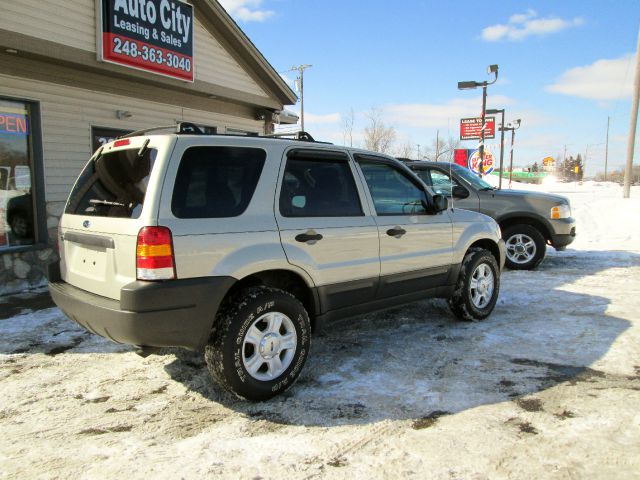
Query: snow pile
pixel 548 386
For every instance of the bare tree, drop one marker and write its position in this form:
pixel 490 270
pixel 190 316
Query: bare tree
pixel 405 150
pixel 377 136
pixel 442 150
pixel 347 127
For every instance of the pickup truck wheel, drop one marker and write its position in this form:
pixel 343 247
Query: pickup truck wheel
pixel 478 286
pixel 525 247
pixel 259 343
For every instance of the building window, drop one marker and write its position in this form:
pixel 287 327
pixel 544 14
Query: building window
pixel 17 189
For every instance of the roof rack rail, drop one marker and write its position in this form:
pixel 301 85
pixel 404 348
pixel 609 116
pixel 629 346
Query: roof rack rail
pixel 189 128
pixel 300 136
pixel 182 127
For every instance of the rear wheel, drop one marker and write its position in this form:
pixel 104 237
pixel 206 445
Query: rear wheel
pixel 525 247
pixel 259 344
pixel 478 286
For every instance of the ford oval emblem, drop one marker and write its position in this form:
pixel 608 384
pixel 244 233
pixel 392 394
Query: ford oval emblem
pixel 86 224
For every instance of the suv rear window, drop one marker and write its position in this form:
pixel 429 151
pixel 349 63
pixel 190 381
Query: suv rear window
pixel 113 185
pixel 216 182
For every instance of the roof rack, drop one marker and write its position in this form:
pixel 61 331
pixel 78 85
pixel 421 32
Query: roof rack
pixel 182 127
pixel 188 128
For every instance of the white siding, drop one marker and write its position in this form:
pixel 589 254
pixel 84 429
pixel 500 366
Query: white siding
pixel 73 23
pixel 69 22
pixel 69 113
pixel 215 65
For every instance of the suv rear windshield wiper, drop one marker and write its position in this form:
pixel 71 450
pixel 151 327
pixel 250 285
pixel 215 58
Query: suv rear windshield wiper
pixel 97 201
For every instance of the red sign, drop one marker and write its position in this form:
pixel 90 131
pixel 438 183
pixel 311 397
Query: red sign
pixel 487 165
pixel 471 128
pixel 150 35
pixel 461 156
pixel 14 124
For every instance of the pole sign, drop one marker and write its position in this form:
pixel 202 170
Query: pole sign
pixel 471 128
pixel 151 35
pixel 488 164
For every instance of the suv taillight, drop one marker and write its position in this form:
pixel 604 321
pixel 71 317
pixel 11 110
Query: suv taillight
pixel 154 254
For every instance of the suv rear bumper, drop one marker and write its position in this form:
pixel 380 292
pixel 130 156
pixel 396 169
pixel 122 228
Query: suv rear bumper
pixel 177 313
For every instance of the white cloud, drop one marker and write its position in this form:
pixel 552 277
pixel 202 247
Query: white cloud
pixel 427 115
pixel 523 25
pixel 247 10
pixel 605 79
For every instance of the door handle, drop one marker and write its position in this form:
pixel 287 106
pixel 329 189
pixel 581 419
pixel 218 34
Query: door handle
pixel 396 232
pixel 310 237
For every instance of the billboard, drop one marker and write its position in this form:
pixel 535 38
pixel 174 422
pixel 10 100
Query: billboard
pixel 151 35
pixel 470 128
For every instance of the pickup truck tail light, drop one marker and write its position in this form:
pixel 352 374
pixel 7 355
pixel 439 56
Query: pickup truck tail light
pixel 154 254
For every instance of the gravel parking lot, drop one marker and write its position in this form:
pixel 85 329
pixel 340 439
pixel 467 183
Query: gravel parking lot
pixel 548 386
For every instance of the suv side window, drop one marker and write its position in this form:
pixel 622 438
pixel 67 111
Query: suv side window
pixel 216 182
pixel 393 192
pixel 319 187
pixel 441 182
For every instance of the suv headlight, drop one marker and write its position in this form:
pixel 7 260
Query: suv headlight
pixel 560 211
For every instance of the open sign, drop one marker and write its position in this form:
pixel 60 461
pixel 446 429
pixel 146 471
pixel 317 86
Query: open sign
pixel 14 124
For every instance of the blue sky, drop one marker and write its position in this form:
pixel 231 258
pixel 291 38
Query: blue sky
pixel 564 67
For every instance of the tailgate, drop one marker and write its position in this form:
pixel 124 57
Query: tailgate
pixel 114 197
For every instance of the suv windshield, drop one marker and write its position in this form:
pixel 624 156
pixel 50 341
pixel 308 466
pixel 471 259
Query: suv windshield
pixel 471 177
pixel 113 185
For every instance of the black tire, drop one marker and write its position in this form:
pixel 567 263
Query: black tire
pixel 227 350
pixel 531 257
pixel 461 302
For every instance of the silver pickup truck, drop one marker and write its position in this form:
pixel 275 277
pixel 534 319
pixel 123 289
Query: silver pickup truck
pixel 529 220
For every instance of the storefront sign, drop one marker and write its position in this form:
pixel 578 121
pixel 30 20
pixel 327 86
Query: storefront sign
pixel 151 35
pixel 14 124
pixel 471 128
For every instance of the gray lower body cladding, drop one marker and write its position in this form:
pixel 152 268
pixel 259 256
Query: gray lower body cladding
pixel 179 313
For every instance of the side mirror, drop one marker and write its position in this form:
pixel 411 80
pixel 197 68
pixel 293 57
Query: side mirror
pixel 459 191
pixel 440 203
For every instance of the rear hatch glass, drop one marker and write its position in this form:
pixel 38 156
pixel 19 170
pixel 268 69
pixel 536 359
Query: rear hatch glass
pixel 113 185
pixel 103 217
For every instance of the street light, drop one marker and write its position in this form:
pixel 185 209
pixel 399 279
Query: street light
pixel 493 111
pixel 513 127
pixel 468 85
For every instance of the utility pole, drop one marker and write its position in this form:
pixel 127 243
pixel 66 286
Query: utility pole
pixel 300 69
pixel 632 129
pixel 606 151
pixel 437 144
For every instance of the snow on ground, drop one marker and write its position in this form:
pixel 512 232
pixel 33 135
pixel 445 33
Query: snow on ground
pixel 547 387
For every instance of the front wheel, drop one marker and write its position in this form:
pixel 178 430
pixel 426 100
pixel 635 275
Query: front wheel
pixel 525 247
pixel 259 344
pixel 478 286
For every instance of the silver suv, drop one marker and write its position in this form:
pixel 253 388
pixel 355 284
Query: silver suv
pixel 241 246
